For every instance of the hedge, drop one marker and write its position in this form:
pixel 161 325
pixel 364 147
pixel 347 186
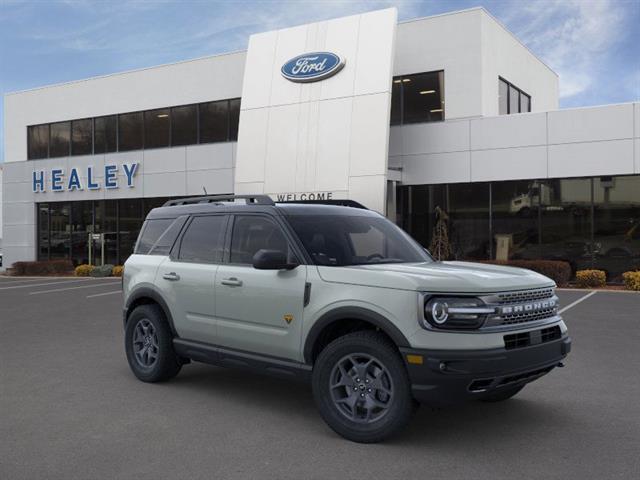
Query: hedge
pixel 557 270
pixel 84 270
pixel 46 267
pixel 591 278
pixel 631 280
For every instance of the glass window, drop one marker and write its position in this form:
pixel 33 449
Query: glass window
pixel 203 241
pixel 252 233
pixel 43 231
pixel 184 125
pixel 38 141
pixel 59 139
pixel 105 134
pixel 130 131
pixel 525 102
pixel 514 212
pixel 60 236
pixel 156 128
pixel 333 240
pixel 421 98
pixel 130 218
pixel 396 101
pixel 514 100
pixel 503 97
pixel 151 232
pixel 164 244
pixel 616 224
pixel 565 214
pixel 81 137
pixel 234 118
pixel 214 122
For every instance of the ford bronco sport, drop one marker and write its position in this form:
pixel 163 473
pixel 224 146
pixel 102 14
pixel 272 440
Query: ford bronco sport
pixel 338 296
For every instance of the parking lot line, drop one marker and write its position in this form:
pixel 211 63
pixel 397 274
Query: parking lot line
pixel 61 282
pixel 581 299
pixel 103 294
pixel 73 288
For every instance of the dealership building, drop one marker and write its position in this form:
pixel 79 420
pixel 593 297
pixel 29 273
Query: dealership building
pixel 448 116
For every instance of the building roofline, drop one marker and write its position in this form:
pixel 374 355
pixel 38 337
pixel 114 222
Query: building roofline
pixel 124 72
pixel 482 9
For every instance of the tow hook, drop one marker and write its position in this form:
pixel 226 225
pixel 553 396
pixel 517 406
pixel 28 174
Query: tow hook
pixel 560 365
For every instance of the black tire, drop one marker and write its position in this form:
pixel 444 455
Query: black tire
pixel 165 365
pixel 382 407
pixel 502 394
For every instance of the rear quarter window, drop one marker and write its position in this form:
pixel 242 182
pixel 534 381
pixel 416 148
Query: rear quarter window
pixel 152 231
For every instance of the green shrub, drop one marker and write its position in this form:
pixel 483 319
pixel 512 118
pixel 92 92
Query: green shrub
pixel 45 267
pixel 631 280
pixel 102 271
pixel 117 271
pixel 591 278
pixel 557 270
pixel 84 270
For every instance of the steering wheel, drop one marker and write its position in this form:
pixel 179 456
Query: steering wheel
pixel 375 255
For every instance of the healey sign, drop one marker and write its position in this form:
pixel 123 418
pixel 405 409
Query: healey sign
pixel 312 67
pixel 57 181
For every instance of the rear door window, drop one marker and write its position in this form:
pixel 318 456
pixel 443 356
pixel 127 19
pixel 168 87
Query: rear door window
pixel 203 241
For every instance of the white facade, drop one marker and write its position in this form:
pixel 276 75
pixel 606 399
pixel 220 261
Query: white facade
pixel 331 136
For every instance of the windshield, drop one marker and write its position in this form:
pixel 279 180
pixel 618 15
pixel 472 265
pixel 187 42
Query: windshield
pixel 338 240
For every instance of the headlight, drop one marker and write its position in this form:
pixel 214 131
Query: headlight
pixel 455 313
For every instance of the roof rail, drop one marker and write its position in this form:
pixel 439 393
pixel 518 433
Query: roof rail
pixel 250 200
pixel 341 203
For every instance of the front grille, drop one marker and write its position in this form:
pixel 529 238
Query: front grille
pixel 522 306
pixel 508 298
pixel 515 318
pixel 535 337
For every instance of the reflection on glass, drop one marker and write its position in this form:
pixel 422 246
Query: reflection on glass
pixel 130 131
pixel 59 139
pixel 184 125
pixel 43 231
pixel 214 121
pixel 82 137
pixel 38 141
pixel 503 97
pixel 105 134
pixel 234 118
pixel 60 237
pixel 617 224
pixel 418 98
pixel 156 128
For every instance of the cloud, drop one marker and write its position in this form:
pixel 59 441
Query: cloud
pixel 574 37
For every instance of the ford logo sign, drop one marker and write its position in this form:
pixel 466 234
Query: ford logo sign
pixel 312 67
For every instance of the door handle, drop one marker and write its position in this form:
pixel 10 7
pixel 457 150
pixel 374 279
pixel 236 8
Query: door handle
pixel 231 282
pixel 173 276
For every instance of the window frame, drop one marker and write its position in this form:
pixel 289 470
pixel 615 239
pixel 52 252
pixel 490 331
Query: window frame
pixel 520 94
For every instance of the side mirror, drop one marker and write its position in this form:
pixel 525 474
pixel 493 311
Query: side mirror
pixel 272 260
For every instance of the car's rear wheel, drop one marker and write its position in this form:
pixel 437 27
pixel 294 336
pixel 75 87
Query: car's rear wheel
pixel 361 387
pixel 502 394
pixel 149 345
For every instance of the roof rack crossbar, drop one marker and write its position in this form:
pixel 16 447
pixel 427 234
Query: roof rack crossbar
pixel 220 199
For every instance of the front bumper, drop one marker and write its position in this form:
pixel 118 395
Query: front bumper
pixel 451 376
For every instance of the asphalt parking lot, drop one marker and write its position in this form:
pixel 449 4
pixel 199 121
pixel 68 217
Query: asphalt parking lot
pixel 70 408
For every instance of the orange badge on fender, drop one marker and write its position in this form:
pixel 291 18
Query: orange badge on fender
pixel 288 318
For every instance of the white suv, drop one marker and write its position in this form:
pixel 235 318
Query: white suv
pixel 338 296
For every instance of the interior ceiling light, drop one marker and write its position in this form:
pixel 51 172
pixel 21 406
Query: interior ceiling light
pixel 163 115
pixel 396 81
pixel 436 110
pixel 425 92
pixel 406 79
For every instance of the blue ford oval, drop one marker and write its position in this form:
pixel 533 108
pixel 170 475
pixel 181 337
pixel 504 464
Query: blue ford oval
pixel 311 67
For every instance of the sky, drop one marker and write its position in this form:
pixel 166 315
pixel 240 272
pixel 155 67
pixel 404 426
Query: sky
pixel 593 45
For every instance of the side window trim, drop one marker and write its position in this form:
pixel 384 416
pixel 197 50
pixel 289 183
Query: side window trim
pixel 174 255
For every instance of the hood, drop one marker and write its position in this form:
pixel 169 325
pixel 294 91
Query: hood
pixel 438 277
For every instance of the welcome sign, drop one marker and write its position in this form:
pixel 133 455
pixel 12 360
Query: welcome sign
pixel 58 181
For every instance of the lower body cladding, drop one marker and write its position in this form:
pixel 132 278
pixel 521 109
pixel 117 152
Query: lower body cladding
pixel 445 377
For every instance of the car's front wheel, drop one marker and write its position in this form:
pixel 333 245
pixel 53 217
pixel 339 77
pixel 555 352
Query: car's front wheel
pixel 361 387
pixel 149 345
